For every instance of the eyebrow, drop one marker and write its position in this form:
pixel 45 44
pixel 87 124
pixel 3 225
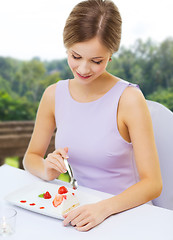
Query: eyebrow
pixel 80 55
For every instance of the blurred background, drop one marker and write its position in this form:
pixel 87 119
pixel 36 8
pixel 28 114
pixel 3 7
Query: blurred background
pixel 32 56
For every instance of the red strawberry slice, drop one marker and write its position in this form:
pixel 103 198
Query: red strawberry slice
pixel 57 200
pixel 65 197
pixel 62 190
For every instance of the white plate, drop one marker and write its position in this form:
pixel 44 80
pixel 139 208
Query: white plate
pixel 30 194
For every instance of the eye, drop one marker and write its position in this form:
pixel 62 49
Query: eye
pixel 75 57
pixel 98 62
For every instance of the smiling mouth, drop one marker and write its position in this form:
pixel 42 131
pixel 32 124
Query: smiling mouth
pixel 83 77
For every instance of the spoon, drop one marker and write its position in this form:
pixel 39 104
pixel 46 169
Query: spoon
pixel 73 181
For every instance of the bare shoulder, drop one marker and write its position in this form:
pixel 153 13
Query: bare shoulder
pixel 48 99
pixel 49 94
pixel 50 91
pixel 132 96
pixel 133 104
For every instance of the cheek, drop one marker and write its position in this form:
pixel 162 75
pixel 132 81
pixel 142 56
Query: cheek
pixel 100 68
pixel 72 64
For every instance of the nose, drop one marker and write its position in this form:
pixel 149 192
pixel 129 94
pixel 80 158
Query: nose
pixel 84 68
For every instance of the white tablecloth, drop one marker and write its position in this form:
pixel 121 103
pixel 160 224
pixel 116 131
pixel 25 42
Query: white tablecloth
pixel 145 222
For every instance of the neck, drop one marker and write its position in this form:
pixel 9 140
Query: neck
pixel 93 90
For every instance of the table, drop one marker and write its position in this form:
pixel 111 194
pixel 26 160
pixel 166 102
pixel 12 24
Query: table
pixel 145 222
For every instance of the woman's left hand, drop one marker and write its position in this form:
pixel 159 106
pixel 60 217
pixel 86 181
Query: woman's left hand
pixel 86 217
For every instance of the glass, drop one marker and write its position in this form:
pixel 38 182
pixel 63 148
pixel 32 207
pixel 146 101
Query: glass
pixel 7 221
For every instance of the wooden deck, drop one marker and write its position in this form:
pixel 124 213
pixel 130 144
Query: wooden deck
pixel 14 139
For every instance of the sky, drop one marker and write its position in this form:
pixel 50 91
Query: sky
pixel 34 28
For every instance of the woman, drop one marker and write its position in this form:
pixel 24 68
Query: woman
pixel 103 123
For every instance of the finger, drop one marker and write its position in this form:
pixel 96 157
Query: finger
pixel 50 164
pixel 56 166
pixel 85 228
pixel 79 221
pixel 56 163
pixel 62 152
pixel 66 149
pixel 59 159
pixel 70 217
pixel 80 217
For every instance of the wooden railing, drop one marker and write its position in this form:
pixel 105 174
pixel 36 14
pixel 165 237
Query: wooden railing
pixel 14 139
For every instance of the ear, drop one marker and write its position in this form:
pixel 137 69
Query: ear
pixel 110 59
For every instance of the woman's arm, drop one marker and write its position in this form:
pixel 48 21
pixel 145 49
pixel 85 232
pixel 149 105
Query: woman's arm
pixel 135 116
pixel 34 162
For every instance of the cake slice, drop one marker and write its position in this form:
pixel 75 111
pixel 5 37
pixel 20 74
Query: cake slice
pixel 65 200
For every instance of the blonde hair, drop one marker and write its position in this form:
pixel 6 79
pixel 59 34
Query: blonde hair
pixel 91 18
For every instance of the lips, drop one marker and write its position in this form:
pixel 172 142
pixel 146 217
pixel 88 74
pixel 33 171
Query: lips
pixel 83 77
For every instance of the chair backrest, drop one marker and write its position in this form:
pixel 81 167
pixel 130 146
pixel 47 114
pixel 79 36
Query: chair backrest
pixel 162 119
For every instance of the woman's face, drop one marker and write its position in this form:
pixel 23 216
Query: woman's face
pixel 88 60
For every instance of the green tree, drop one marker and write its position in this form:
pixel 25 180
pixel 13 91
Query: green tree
pixel 16 109
pixel 5 85
pixel 47 81
pixel 165 59
pixel 163 96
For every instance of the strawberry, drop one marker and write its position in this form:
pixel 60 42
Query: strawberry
pixel 57 200
pixel 62 190
pixel 47 195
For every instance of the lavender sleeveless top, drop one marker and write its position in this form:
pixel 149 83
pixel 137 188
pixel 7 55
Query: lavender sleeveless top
pixel 101 159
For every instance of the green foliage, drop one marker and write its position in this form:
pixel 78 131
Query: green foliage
pixel 8 68
pixel 16 109
pixel 163 96
pixel 14 162
pixel 22 83
pixel 149 65
pixel 21 87
pixel 5 85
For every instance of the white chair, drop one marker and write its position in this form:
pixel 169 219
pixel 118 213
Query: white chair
pixel 162 119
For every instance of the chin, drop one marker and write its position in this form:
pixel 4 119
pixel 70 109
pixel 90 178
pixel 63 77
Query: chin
pixel 84 80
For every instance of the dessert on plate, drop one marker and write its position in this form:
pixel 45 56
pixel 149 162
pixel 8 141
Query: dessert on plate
pixel 65 200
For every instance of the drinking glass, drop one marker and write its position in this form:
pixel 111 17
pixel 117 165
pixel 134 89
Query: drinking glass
pixel 7 221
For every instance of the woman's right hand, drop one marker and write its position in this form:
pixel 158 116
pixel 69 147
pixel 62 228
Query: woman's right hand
pixel 54 164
